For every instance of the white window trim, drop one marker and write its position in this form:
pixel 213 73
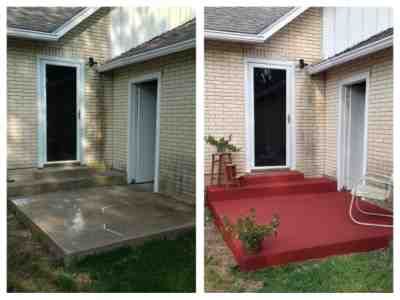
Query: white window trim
pixel 353 79
pixel 290 68
pixel 79 64
pixel 131 93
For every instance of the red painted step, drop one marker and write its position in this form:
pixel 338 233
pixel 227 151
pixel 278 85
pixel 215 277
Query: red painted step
pixel 311 185
pixel 273 176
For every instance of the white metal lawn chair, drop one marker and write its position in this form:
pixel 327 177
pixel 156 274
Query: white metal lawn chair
pixel 375 189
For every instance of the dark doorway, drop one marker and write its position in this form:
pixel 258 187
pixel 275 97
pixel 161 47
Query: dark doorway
pixel 269 117
pixel 61 113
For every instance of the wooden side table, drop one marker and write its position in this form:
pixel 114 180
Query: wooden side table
pixel 220 160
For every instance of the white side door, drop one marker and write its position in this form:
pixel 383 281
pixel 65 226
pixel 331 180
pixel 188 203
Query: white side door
pixel 357 135
pixel 145 132
pixel 353 142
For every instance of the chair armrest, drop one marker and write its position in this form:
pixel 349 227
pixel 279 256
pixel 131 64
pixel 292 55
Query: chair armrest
pixel 385 181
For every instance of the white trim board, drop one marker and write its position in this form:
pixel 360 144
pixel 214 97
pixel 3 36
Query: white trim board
pixel 340 160
pixel 350 55
pixel 131 87
pixel 79 64
pixel 124 61
pixel 261 37
pixel 58 33
pixel 290 68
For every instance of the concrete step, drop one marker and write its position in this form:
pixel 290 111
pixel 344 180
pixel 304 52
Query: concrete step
pixel 62 172
pixel 52 182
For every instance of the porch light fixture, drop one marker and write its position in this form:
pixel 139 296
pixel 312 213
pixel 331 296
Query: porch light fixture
pixel 302 64
pixel 91 62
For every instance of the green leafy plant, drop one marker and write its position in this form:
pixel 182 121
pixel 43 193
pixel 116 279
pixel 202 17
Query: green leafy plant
pixel 222 144
pixel 250 233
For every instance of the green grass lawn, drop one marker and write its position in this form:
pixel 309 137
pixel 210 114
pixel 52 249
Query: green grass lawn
pixel 156 266
pixel 367 272
pixel 362 272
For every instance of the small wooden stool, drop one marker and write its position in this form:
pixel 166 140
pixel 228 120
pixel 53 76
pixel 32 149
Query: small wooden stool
pixel 222 159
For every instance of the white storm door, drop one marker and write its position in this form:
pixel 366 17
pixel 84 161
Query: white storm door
pixel 270 115
pixel 146 132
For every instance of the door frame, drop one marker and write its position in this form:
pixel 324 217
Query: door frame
pixel 289 67
pixel 79 64
pixel 341 159
pixel 132 126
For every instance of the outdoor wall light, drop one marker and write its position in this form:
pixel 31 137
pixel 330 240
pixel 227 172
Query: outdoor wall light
pixel 92 62
pixel 302 64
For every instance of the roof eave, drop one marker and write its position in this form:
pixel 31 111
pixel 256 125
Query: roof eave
pixel 350 55
pixel 31 35
pixel 232 36
pixel 58 33
pixel 282 22
pixel 260 37
pixel 151 54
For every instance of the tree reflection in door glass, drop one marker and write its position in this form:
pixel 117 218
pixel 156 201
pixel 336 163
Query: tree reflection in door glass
pixel 269 117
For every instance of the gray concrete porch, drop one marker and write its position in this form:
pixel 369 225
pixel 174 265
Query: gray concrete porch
pixel 75 223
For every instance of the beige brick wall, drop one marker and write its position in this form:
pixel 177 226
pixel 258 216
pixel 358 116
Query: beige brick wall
pixel 380 110
pixel 225 85
pixel 87 39
pixel 177 121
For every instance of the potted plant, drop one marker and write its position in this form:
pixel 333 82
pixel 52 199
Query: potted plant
pixel 250 233
pixel 222 144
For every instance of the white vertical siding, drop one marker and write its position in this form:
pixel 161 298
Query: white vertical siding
pixel 356 30
pixel 344 27
pixel 370 24
pixel 328 29
pixel 131 26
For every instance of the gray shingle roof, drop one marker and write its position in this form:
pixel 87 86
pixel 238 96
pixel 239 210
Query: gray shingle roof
pixel 181 33
pixel 250 20
pixel 42 19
